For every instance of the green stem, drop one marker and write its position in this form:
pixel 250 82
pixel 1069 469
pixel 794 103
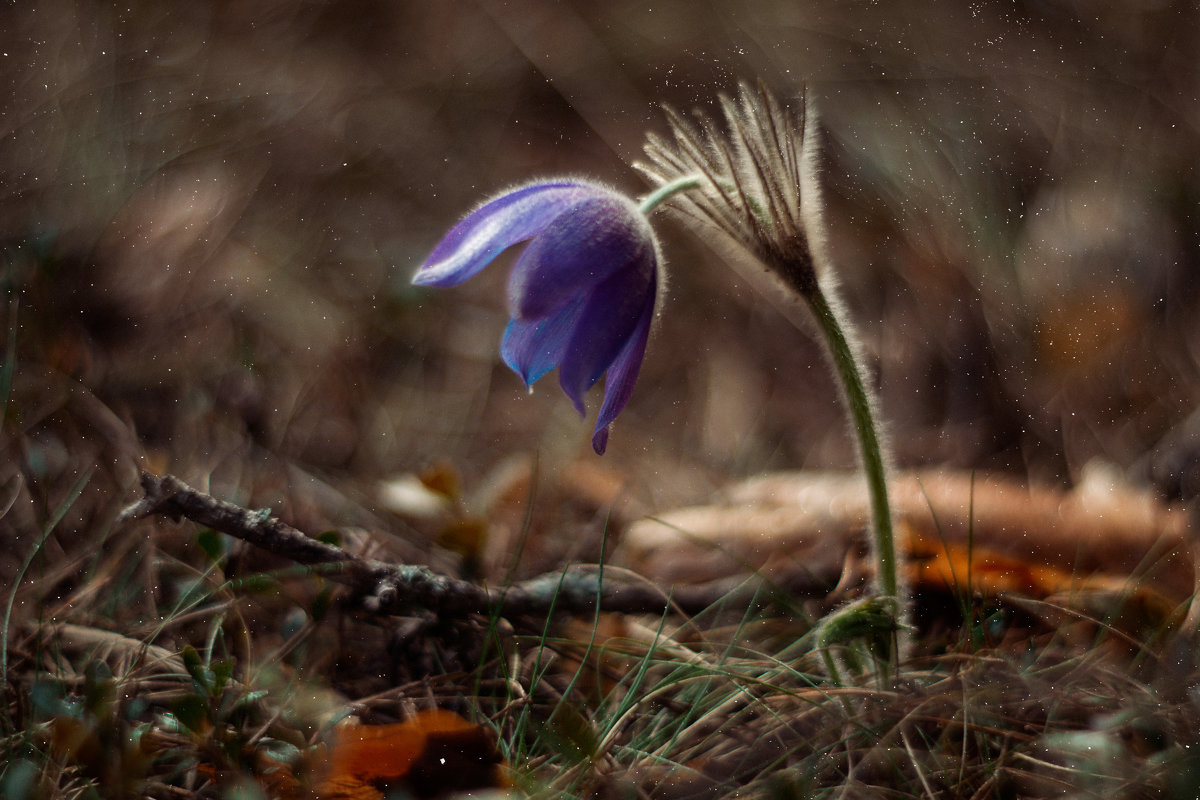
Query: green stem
pixel 798 272
pixel 868 441
pixel 662 193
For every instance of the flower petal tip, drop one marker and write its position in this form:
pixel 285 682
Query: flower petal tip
pixel 600 440
pixel 422 277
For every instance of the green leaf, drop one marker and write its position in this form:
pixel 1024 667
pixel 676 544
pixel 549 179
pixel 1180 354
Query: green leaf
pixel 213 544
pixel 571 733
pixel 100 690
pixel 194 665
pixel 322 603
pixel 259 583
pixel 221 672
pixel 20 780
pixel 192 712
pixel 49 700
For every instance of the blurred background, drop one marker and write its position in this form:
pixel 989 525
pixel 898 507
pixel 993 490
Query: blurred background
pixel 210 212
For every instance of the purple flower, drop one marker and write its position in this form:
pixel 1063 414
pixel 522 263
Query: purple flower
pixel 581 295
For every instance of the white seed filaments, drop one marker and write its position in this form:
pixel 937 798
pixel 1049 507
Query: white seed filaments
pixel 754 179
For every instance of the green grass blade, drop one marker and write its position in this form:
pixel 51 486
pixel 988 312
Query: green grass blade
pixel 51 524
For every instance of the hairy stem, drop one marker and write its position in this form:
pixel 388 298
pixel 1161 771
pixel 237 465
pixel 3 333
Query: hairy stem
pixel 664 192
pixel 795 267
pixel 870 449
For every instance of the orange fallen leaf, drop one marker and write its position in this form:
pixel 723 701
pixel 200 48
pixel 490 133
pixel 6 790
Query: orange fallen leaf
pixel 434 753
pixel 985 533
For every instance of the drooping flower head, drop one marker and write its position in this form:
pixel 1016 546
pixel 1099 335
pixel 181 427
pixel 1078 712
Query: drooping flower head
pixel 581 295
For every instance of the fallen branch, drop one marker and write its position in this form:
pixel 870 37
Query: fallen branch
pixel 401 588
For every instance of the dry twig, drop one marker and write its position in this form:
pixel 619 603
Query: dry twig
pixel 400 588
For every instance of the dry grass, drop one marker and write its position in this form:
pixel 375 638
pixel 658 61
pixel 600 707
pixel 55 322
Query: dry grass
pixel 159 667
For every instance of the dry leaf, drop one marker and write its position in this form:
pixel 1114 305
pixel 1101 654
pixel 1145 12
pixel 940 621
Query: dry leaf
pixel 435 753
pixel 1018 538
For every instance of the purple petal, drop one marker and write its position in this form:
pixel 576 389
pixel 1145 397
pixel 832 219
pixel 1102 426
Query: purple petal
pixel 495 226
pixel 600 237
pixel 621 376
pixel 533 348
pixel 606 324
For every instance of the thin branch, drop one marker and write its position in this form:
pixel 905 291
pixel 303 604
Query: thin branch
pixel 402 588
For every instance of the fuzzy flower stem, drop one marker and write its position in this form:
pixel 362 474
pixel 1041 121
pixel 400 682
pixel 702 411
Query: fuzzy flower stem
pixel 801 276
pixel 871 452
pixel 664 192
pixel 758 195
